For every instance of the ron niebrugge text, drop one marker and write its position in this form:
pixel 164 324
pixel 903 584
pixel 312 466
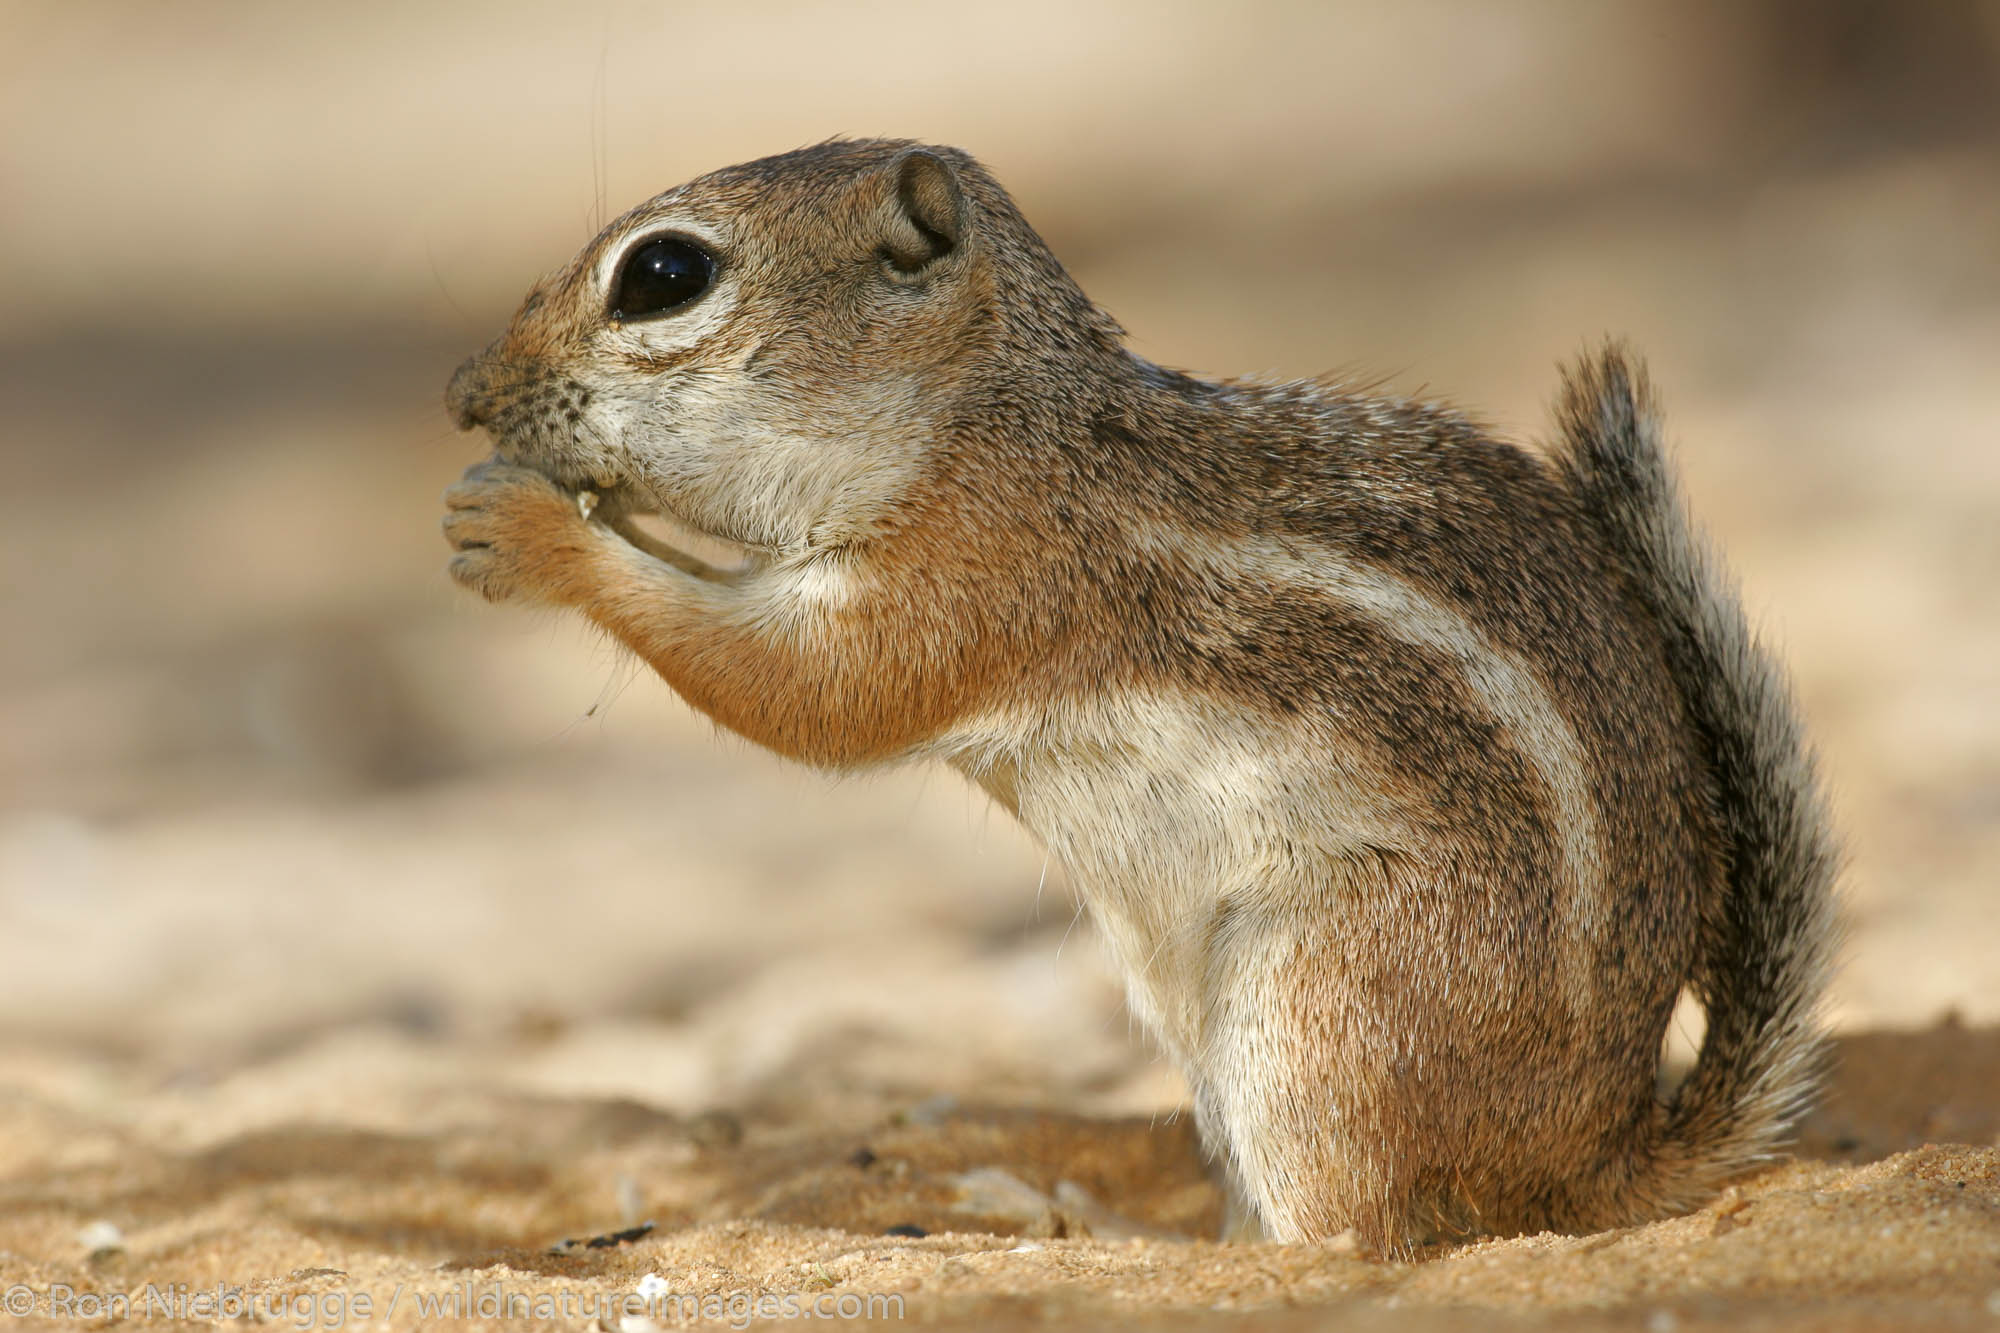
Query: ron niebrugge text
pixel 335 1308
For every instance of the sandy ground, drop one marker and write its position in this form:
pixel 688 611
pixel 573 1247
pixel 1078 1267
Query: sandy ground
pixel 374 1173
pixel 361 942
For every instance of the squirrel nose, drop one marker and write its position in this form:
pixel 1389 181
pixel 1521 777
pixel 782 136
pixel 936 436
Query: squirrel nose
pixel 466 400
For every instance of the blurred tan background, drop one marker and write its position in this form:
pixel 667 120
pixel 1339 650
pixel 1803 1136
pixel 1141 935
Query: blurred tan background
pixel 270 785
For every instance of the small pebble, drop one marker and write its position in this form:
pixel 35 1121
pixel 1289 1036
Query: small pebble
pixel 101 1237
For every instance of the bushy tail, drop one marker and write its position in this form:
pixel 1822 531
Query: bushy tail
pixel 1768 943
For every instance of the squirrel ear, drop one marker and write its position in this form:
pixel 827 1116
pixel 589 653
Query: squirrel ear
pixel 927 211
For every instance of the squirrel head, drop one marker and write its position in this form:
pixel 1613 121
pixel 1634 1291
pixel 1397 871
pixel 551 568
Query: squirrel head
pixel 776 352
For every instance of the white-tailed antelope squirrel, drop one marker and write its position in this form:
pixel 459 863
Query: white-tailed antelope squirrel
pixel 1410 774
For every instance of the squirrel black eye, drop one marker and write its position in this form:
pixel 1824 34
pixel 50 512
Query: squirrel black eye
pixel 660 277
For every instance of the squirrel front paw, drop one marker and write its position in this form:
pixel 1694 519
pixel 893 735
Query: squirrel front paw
pixel 517 536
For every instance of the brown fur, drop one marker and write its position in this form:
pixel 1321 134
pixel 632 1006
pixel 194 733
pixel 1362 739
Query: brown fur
pixel 1420 983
